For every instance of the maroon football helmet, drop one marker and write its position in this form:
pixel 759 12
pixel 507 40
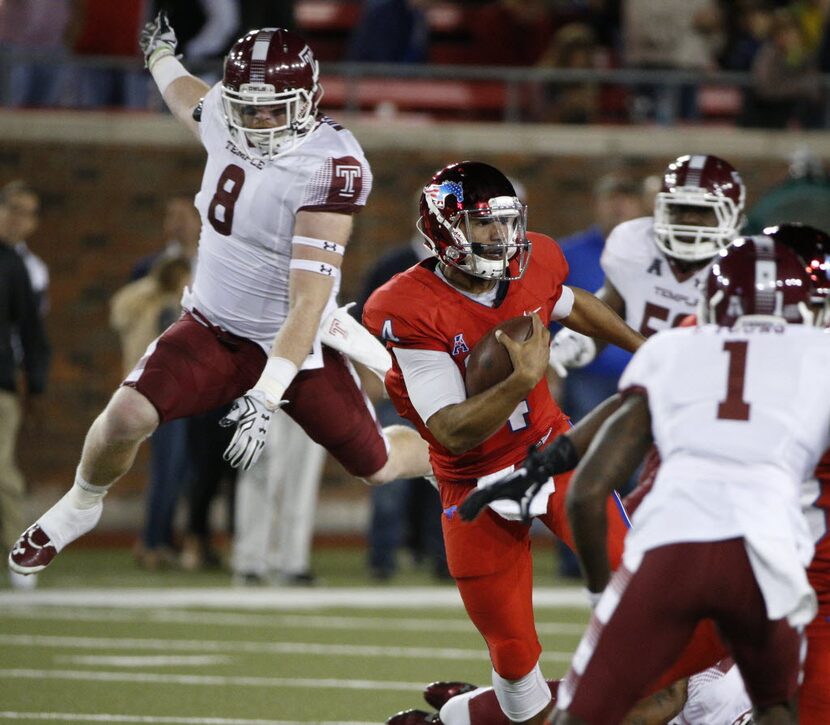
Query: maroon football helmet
pixel 703 181
pixel 813 246
pixel 472 219
pixel 757 276
pixel 270 91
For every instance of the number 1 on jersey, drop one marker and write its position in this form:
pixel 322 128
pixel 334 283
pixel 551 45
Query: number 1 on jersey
pixel 734 407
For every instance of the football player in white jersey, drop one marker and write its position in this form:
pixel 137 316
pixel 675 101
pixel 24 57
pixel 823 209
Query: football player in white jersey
pixel 654 265
pixel 745 426
pixel 280 187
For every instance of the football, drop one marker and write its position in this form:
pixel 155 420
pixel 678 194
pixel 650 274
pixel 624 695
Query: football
pixel 489 362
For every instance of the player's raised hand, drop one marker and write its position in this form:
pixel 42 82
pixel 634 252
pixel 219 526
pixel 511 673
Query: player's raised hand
pixel 157 39
pixel 251 415
pixel 529 357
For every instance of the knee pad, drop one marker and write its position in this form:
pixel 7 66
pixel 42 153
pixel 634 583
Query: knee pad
pixel 523 698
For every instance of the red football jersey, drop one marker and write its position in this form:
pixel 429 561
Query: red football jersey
pixel 418 310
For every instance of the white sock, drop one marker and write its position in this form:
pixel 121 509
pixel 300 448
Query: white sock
pixel 75 514
pixel 83 495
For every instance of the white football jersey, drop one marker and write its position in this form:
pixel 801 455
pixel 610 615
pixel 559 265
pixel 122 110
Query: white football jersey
pixel 248 208
pixel 655 298
pixel 741 416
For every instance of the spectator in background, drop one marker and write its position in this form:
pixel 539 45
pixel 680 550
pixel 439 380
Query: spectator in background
pixel 21 318
pixel 574 46
pixel 35 26
pixel 23 203
pixel 211 476
pixel 510 32
pixel 787 84
pixel 170 468
pixel 274 509
pixel 180 229
pixel 106 28
pixel 205 28
pixel 140 311
pixel 406 512
pixel 390 31
pixel 670 35
pixel 751 23
pixel 617 199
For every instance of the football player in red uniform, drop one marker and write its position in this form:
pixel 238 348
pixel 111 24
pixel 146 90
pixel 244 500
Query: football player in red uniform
pixel 487 268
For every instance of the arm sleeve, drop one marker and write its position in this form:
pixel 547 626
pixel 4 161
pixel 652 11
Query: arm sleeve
pixel 563 305
pixel 432 380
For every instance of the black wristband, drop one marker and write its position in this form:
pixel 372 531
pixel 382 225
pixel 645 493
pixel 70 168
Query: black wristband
pixel 560 456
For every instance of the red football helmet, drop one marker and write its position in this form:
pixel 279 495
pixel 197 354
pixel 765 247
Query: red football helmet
pixel 270 91
pixel 472 219
pixel 757 276
pixel 710 184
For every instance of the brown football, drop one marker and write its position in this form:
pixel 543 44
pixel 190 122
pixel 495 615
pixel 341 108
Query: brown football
pixel 489 362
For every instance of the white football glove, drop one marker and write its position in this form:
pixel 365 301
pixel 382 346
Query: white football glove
pixel 570 349
pixel 157 40
pixel 251 414
pixel 342 332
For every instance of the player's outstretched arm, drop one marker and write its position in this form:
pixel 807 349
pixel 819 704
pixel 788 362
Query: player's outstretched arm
pixel 613 455
pixel 594 318
pixel 181 90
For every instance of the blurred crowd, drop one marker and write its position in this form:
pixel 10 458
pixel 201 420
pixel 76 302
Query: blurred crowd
pixel 83 53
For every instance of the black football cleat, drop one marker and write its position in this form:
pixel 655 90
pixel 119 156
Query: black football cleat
pixel 414 717
pixel 437 693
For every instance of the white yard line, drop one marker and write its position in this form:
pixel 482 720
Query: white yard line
pixel 311 621
pixel 78 717
pixel 237 647
pixel 171 678
pixel 273 598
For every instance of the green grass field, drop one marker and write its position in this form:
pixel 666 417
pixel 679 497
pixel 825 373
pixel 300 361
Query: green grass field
pixel 101 641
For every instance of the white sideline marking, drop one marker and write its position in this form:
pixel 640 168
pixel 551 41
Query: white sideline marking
pixel 269 620
pixel 274 598
pixel 301 648
pixel 77 717
pixel 144 661
pixel 210 680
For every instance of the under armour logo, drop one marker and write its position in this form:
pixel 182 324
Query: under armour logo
pixel 329 246
pixel 18 548
pixel 326 269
